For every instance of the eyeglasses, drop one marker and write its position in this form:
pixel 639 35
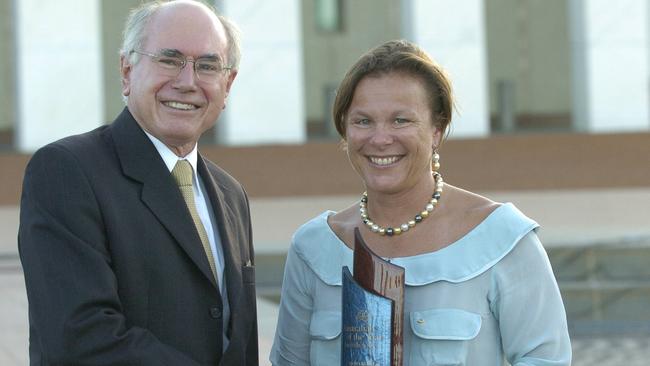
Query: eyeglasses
pixel 206 69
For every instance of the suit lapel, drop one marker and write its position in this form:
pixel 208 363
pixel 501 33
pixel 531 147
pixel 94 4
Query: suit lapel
pixel 140 161
pixel 224 219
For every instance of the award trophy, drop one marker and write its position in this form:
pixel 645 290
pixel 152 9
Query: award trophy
pixel 373 310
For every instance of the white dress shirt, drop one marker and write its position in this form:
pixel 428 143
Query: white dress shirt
pixel 207 218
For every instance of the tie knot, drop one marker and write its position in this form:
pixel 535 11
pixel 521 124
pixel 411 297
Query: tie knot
pixel 182 173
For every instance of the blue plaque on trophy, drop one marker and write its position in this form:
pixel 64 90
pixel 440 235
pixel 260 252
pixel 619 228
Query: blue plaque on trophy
pixel 373 310
pixel 366 334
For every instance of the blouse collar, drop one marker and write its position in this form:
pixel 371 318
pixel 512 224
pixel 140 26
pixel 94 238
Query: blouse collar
pixel 474 253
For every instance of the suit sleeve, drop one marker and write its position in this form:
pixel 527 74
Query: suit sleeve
pixel 74 306
pixel 252 348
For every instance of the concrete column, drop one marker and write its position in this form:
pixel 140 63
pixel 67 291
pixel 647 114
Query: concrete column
pixel 59 70
pixel 7 71
pixel 453 33
pixel 609 41
pixel 266 103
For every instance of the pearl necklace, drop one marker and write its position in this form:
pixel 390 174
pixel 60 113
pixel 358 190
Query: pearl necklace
pixel 397 230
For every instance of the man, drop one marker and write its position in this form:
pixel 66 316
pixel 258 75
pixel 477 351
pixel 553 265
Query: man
pixel 135 249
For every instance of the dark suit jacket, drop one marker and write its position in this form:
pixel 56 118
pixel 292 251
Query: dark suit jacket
pixel 114 268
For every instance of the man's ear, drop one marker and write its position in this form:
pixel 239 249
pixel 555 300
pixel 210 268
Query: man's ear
pixel 231 77
pixel 125 72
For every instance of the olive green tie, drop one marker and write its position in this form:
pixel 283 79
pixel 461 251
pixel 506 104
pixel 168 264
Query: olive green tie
pixel 182 172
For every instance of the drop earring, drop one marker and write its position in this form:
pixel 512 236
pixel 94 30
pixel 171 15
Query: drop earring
pixel 435 160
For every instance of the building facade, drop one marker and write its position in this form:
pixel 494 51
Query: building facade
pixel 517 66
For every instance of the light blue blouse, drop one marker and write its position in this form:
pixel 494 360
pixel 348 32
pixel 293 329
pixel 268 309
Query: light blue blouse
pixel 488 297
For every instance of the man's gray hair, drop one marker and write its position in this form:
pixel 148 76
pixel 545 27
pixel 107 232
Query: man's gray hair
pixel 134 32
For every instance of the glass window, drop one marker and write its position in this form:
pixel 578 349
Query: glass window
pixel 328 15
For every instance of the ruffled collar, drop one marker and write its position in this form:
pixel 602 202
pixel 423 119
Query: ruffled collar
pixel 466 258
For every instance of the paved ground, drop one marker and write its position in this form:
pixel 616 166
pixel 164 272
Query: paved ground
pixel 615 351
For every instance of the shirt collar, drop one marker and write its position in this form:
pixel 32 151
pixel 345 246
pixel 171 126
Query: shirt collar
pixel 170 158
pixel 468 257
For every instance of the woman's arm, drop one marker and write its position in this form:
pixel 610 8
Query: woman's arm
pixel 292 339
pixel 528 305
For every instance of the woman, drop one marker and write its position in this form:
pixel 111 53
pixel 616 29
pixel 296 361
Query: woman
pixel 479 286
